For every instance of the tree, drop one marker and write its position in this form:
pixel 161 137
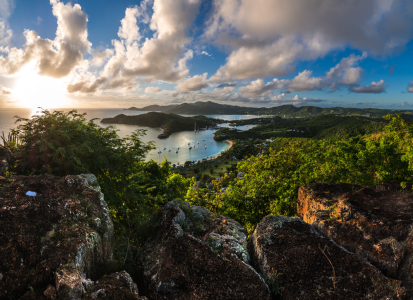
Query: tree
pixel 62 144
pixel 211 171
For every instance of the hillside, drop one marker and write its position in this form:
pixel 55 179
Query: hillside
pixel 331 127
pixel 288 111
pixel 170 123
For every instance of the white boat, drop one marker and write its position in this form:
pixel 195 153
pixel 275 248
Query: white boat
pixel 197 142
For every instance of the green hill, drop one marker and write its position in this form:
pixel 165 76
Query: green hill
pixel 168 122
pixel 288 111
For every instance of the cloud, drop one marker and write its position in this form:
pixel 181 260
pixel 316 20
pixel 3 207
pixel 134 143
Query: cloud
pixel 100 57
pixel 227 84
pixel 5 91
pixel 162 57
pixel 38 21
pixel 410 87
pixel 55 58
pixel 345 73
pixel 6 8
pixel 152 89
pixel 270 38
pixel 194 83
pixel 373 88
pixel 206 53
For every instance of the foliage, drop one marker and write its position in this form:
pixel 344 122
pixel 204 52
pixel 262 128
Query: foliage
pixel 270 183
pixel 61 143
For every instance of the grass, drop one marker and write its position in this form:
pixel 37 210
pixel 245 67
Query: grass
pixel 222 167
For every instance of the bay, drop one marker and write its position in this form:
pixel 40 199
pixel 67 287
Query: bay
pixel 205 145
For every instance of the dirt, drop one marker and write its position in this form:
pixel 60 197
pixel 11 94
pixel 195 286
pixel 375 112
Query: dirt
pixel 378 224
pixel 298 263
pixel 40 234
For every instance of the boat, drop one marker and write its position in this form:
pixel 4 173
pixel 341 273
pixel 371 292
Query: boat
pixel 190 148
pixel 169 150
pixel 197 142
pixel 176 151
pixel 159 152
pixel 189 143
pixel 164 148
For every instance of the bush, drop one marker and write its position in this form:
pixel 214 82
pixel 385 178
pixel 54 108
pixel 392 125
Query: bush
pixel 62 144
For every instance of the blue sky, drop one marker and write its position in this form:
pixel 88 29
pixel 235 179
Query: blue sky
pixel 105 53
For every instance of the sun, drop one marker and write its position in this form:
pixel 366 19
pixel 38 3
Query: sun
pixel 33 90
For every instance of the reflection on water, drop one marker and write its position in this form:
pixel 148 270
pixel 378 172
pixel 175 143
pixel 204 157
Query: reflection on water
pixel 205 146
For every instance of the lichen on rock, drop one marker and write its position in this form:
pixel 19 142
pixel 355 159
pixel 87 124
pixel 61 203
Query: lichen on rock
pixel 199 255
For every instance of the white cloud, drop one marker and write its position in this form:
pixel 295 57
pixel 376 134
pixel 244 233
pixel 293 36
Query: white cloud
pixel 206 53
pixel 194 83
pixel 152 89
pixel 53 58
pixel 373 88
pixel 410 87
pixel 161 57
pixel 269 38
pixel 5 91
pixel 6 33
pixel 345 73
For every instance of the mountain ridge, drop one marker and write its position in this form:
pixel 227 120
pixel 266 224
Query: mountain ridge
pixel 288 110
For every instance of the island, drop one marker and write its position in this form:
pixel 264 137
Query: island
pixel 170 123
pixel 287 111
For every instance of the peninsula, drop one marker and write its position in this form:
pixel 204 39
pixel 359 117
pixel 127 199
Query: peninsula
pixel 170 123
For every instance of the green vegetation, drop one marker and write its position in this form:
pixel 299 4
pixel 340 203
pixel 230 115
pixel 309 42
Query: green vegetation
pixel 270 182
pixel 266 179
pixel 67 144
pixel 211 108
pixel 331 127
pixel 170 123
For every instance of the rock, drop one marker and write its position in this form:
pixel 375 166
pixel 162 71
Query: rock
pixel 50 292
pixel 198 255
pixel 115 286
pixel 377 224
pixel 298 263
pixel 65 230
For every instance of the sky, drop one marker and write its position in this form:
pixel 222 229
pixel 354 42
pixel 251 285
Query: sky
pixel 262 53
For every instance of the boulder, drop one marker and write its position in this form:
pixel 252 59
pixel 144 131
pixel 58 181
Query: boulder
pixel 298 263
pixel 54 230
pixel 115 286
pixel 376 223
pixel 199 255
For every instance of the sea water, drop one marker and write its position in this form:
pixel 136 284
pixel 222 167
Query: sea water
pixel 205 145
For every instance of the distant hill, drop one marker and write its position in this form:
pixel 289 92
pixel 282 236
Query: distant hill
pixel 211 108
pixel 152 108
pixel 168 122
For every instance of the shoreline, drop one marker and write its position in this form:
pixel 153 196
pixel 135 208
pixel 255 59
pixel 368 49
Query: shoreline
pixel 230 145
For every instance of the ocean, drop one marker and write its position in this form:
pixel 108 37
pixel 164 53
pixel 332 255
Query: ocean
pixel 205 145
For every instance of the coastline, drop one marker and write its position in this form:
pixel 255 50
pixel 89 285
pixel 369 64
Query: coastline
pixel 230 145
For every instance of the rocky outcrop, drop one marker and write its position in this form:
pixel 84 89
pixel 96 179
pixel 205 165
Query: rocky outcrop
pixel 115 286
pixel 56 233
pixel 298 263
pixel 376 223
pixel 198 255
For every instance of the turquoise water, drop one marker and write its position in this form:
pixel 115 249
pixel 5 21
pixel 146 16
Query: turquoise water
pixel 176 140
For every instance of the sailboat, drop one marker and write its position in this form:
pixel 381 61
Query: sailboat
pixel 195 127
pixel 159 152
